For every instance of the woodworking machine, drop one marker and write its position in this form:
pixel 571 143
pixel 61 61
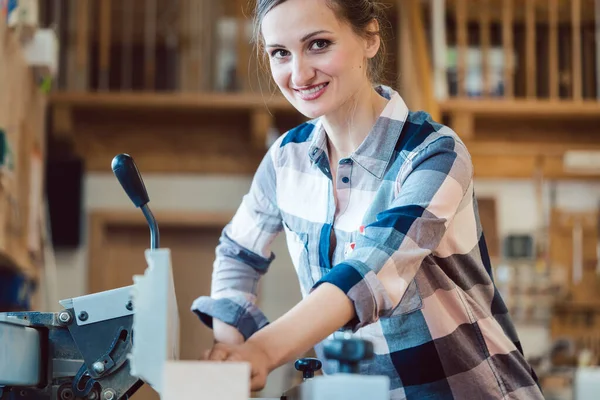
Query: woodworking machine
pixel 106 345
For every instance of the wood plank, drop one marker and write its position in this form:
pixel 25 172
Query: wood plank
pixel 463 123
pixel 262 121
pixel 409 86
pixel 550 109
pixel 530 56
pixel 209 101
pixel 484 26
pixel 105 44
pixel 508 48
pixel 213 219
pixel 150 32
pixel 83 45
pixel 553 49
pixel 424 67
pixel 243 48
pixel 576 56
pixel 462 45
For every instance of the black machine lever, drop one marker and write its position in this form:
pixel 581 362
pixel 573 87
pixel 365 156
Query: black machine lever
pixel 349 353
pixel 130 179
pixel 308 366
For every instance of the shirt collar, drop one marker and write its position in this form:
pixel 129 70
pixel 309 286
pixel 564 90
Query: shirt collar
pixel 375 152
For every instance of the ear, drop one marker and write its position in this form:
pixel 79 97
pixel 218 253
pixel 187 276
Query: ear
pixel 373 42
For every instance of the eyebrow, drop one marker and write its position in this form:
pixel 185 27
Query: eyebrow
pixel 304 38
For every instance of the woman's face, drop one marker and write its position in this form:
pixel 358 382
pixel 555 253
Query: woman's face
pixel 317 61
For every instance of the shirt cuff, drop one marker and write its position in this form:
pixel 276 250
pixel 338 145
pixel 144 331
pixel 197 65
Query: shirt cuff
pixel 238 312
pixel 355 279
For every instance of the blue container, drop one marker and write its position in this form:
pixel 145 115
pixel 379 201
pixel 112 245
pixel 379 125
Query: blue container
pixel 16 291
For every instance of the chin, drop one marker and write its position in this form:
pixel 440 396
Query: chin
pixel 312 109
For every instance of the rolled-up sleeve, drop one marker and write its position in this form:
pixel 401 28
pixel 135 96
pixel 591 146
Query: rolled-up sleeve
pixel 244 255
pixel 388 254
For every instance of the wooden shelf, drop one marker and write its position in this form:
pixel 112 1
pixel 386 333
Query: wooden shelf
pixel 523 108
pixel 180 101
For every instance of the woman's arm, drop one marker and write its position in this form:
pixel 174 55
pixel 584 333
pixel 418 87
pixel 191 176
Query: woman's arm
pixel 320 314
pixel 243 256
pixel 312 320
pixel 225 333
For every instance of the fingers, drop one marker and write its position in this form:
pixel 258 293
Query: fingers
pixel 258 381
pixel 217 353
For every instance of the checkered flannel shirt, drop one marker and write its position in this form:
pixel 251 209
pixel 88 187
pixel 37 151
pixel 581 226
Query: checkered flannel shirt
pixel 409 253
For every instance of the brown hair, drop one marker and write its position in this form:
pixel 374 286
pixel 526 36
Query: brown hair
pixel 357 13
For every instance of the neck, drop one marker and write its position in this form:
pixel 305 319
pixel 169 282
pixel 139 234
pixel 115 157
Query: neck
pixel 349 125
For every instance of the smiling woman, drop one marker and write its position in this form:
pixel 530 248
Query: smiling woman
pixel 338 47
pixel 377 204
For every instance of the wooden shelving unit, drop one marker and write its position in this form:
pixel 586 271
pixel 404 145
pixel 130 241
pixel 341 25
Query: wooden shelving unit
pixel 22 124
pixel 174 100
pixel 517 135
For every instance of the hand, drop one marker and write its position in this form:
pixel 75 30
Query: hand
pixel 260 364
pixel 225 333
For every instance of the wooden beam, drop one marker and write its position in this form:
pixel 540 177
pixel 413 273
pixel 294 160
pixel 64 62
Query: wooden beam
pixel 530 50
pixel 243 47
pixel 408 84
pixel 62 121
pixel 262 121
pixel 207 101
pixel 553 48
pixel 508 47
pixel 576 56
pixel 462 45
pixel 167 218
pixel 105 44
pixel 150 32
pixel 424 67
pixel 463 123
pixel 549 109
pixel 83 45
pixel 523 167
pixel 484 26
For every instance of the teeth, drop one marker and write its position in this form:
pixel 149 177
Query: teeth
pixel 313 90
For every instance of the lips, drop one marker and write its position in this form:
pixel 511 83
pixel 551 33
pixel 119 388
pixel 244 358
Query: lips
pixel 312 92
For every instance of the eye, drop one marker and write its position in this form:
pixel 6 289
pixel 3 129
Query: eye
pixel 320 44
pixel 279 53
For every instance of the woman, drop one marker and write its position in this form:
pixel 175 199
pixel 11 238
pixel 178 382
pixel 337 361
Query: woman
pixel 378 207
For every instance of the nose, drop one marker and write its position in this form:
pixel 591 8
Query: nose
pixel 302 72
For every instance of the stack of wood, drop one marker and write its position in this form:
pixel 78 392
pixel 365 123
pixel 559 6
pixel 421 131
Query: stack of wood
pixel 22 149
pixel 574 246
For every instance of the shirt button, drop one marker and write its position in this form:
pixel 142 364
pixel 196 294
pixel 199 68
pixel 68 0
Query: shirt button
pixel 346 161
pixel 345 179
pixel 315 150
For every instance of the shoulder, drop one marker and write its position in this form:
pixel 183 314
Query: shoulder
pixel 294 142
pixel 299 134
pixel 421 134
pixel 425 140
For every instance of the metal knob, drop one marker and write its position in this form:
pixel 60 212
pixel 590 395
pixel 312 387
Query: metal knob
pixel 349 353
pixel 308 366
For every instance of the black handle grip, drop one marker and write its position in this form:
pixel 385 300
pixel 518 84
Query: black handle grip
pixel 308 366
pixel 128 175
pixel 349 353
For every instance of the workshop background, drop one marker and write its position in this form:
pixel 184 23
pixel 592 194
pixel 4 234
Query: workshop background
pixel 178 85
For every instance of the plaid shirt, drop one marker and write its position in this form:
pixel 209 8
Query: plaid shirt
pixel 409 252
